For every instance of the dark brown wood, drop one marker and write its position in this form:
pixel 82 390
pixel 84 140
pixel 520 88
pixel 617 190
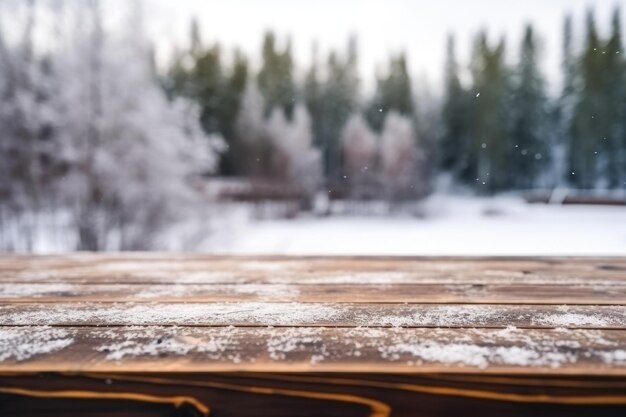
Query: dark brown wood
pixel 300 395
pixel 298 349
pixel 85 334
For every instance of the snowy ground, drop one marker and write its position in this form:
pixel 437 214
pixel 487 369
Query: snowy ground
pixel 451 226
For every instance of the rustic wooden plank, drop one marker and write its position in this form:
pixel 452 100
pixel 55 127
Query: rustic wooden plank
pixel 396 350
pixel 313 314
pixel 206 269
pixel 565 384
pixel 591 294
pixel 341 395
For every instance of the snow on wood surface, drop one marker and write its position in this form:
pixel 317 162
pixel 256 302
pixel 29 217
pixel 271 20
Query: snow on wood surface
pixel 354 293
pixel 301 348
pixel 141 312
pixel 313 314
pixel 168 268
pixel 21 344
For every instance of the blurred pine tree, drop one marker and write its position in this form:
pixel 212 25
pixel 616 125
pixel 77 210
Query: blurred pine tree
pixel 589 121
pixel 529 143
pixel 490 114
pixel 394 92
pixel 275 79
pixel 453 144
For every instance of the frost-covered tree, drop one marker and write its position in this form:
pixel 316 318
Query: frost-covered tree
pixel 128 154
pixel 27 153
pixel 312 95
pixel 400 159
pixel 277 129
pixel 304 164
pixel 277 148
pixel 253 147
pixel 360 153
pixel 130 150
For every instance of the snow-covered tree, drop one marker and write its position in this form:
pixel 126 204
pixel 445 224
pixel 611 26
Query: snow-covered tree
pixel 360 150
pixel 27 164
pixel 400 158
pixel 295 141
pixel 276 148
pixel 125 155
pixel 130 150
pixel 251 138
pixel 277 128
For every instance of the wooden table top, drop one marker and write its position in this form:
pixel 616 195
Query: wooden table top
pixel 199 313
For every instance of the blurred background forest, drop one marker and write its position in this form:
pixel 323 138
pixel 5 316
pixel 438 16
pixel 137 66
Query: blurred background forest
pixel 105 147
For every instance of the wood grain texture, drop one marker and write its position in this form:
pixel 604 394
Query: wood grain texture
pixel 248 314
pixel 195 335
pixel 168 268
pixel 550 294
pixel 202 297
pixel 300 349
pixel 352 395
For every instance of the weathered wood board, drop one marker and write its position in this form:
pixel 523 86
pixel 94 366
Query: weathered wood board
pixel 311 336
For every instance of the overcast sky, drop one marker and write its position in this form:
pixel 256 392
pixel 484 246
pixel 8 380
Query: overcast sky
pixel 382 27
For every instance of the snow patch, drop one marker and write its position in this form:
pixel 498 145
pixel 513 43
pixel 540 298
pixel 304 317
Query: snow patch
pixel 519 229
pixel 292 340
pixel 478 356
pixel 571 319
pixel 261 291
pixel 24 343
pixel 311 314
pixel 616 357
pixel 164 341
pixel 267 314
pixel 35 290
pixel 267 291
